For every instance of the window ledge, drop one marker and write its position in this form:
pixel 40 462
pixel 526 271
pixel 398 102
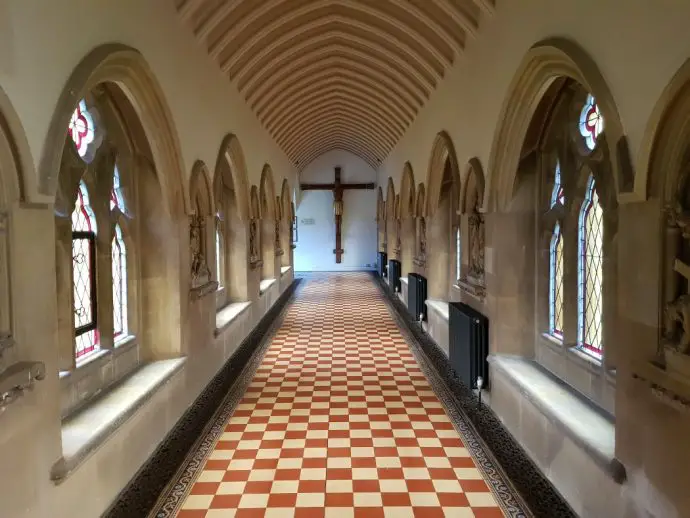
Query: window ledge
pixel 89 428
pixel 96 359
pixel 404 280
pixel 285 269
pixel 439 307
pixel 580 420
pixel 228 314
pixel 265 284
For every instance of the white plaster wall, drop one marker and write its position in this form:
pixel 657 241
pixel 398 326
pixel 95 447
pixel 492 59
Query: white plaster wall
pixel 316 242
pixel 41 43
pixel 637 45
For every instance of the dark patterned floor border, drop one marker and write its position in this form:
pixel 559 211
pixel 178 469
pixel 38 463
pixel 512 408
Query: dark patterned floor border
pixel 159 482
pixel 487 437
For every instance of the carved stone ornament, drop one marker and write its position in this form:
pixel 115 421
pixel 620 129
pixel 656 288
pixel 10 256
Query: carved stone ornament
pixel 476 231
pixel 254 257
pixel 420 260
pixel 279 250
pixel 398 238
pixel 200 272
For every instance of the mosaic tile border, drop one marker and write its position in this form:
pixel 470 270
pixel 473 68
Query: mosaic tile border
pixel 496 451
pixel 163 480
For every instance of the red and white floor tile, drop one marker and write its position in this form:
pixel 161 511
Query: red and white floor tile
pixel 338 422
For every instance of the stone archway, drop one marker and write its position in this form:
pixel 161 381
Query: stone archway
pixel 545 62
pixel 271 266
pixel 390 229
pixel 407 220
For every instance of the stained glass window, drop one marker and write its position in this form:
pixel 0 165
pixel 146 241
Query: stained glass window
pixel 81 128
pixel 591 122
pixel 556 284
pixel 83 274
pixel 590 273
pixel 557 195
pixel 119 267
pixel 458 256
pixel 116 197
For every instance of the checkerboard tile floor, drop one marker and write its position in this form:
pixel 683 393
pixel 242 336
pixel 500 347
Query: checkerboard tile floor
pixel 339 422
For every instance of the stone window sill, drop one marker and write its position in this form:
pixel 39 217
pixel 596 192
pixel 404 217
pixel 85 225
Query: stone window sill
pixel 578 356
pixel 86 430
pixel 284 270
pixel 404 280
pixel 265 284
pixel 439 307
pixel 228 314
pixel 96 359
pixel 577 417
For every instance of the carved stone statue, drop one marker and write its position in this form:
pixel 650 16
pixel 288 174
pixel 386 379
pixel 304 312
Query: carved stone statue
pixel 422 238
pixel 398 238
pixel 253 242
pixel 476 231
pixel 677 318
pixel 279 250
pixel 201 274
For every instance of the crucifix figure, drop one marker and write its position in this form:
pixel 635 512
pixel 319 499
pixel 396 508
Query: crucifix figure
pixel 337 187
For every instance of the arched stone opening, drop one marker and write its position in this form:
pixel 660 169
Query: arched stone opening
pixel 443 181
pixel 232 218
pixel 285 205
pixel 381 219
pixel 117 246
pixel 407 219
pixel 390 225
pixel 420 230
pixel 271 266
pixel 548 62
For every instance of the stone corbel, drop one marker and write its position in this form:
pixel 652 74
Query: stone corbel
pixel 472 287
pixel 199 292
pixel 17 379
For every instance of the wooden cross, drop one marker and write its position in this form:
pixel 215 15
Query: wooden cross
pixel 337 187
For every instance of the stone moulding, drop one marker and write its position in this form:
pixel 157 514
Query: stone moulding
pixel 670 390
pixel 203 290
pixel 478 291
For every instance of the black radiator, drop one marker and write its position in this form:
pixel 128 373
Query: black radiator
pixel 469 344
pixel 394 275
pixel 382 263
pixel 416 295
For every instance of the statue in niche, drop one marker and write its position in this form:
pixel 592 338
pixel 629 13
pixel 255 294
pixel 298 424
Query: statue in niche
pixel 476 234
pixel 201 274
pixel 279 250
pixel 398 239
pixel 422 240
pixel 253 242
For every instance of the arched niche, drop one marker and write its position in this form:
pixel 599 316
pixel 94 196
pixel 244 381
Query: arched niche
pixel 391 236
pixel 548 61
pixel 443 165
pixel 381 219
pixel 13 164
pixel 201 231
pixel 443 183
pixel 231 222
pixel 269 222
pixel 125 67
pixel 407 220
pixel 471 243
pixel 420 229
pixel 668 180
pixel 284 203
pixel 255 260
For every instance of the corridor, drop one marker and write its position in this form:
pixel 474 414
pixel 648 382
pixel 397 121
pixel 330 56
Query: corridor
pixel 338 420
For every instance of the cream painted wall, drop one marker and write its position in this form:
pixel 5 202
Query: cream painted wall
pixel 316 242
pixel 638 45
pixel 41 43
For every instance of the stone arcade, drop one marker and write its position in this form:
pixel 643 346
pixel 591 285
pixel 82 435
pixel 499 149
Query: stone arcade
pixel 160 355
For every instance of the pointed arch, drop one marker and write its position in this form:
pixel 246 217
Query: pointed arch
pixel 407 192
pixel 472 185
pixel 200 190
pixel 254 205
pixel 284 200
pixel 543 64
pixel 267 193
pixel 420 202
pixel 380 205
pixel 126 68
pixel 442 161
pixel 390 199
pixel 231 171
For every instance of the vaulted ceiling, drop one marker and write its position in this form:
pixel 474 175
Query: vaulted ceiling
pixel 335 74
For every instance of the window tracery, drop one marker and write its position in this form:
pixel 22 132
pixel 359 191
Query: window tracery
pixel 119 269
pixel 591 122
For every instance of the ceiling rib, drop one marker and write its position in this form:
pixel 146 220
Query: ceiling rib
pixel 328 74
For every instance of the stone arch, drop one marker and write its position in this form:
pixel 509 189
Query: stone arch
pixel 545 62
pixel 442 155
pixel 13 163
pixel 390 199
pixel 666 139
pixel 407 194
pixel 380 204
pixel 285 200
pixel 267 193
pixel 420 201
pixel 472 182
pixel 124 67
pixel 231 167
pixel 200 190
